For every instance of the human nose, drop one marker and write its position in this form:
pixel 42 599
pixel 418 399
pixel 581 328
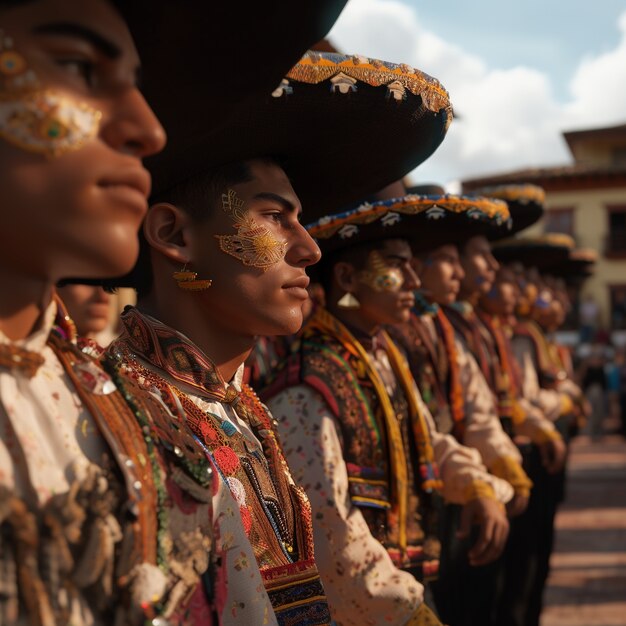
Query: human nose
pixel 132 127
pixel 459 272
pixel 493 262
pixel 411 279
pixel 303 251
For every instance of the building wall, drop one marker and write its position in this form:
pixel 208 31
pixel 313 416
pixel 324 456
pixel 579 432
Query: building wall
pixel 591 224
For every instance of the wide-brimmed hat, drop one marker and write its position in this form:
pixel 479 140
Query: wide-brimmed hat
pixel 578 265
pixel 427 222
pixel 202 60
pixel 540 251
pixel 526 203
pixel 341 127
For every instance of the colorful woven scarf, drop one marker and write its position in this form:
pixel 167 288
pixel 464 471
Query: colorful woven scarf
pixel 324 322
pixel 455 393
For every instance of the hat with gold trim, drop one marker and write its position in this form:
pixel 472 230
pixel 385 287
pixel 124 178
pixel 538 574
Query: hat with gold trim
pixel 578 265
pixel 526 203
pixel 341 127
pixel 540 251
pixel 426 221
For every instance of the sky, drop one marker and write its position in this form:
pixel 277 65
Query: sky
pixel 519 73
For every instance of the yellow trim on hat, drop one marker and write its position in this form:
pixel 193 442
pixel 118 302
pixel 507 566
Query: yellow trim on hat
pixel 326 227
pixel 523 194
pixel 315 67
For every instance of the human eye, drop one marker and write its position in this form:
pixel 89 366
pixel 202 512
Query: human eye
pixel 82 68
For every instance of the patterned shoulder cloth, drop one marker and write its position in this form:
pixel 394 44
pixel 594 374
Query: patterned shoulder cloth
pixel 333 363
pixel 276 513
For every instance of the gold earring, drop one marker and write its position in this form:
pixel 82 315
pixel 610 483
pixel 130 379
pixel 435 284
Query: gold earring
pixel 186 280
pixel 348 301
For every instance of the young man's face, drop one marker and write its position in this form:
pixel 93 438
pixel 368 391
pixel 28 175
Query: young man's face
pixel 73 131
pixel 479 265
pixel 503 296
pixel 440 274
pixel 385 286
pixel 256 252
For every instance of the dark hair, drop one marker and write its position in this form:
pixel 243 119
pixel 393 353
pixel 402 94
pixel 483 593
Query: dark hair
pixel 356 255
pixel 198 196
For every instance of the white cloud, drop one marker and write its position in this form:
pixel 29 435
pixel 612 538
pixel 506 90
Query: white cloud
pixel 599 87
pixel 509 118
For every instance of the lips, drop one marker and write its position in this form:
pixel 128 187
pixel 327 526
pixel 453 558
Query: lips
pixel 301 282
pixel 297 287
pixel 130 186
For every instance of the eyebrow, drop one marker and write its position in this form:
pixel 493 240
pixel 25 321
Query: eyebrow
pixel 78 31
pixel 398 257
pixel 278 199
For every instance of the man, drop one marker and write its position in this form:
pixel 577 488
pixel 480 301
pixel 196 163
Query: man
pixel 547 391
pixel 359 438
pixel 448 375
pixel 103 520
pixel 225 262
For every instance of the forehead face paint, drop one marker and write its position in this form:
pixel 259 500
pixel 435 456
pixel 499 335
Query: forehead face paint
pixel 36 119
pixel 253 245
pixel 379 276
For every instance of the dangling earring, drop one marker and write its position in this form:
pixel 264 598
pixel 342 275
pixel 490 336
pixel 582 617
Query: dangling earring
pixel 187 280
pixel 348 301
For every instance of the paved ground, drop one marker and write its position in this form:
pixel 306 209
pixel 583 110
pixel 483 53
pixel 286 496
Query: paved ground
pixel 587 585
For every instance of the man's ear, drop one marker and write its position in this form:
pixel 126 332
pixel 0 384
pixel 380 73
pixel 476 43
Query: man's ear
pixel 165 230
pixel 345 276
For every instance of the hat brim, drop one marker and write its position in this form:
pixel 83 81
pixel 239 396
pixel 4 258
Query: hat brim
pixel 202 60
pixel 531 253
pixel 342 127
pixel 426 222
pixel 526 204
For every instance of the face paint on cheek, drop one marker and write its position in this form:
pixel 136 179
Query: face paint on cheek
pixel 253 245
pixel 379 276
pixel 480 281
pixel 493 293
pixel 39 120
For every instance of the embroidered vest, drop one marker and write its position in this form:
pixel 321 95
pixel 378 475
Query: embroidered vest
pixel 341 377
pixel 113 537
pixel 275 512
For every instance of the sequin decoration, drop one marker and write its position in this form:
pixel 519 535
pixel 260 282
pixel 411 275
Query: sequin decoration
pixel 253 245
pixel 37 119
pixel 379 276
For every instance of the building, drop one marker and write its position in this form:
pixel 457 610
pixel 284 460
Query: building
pixel 587 200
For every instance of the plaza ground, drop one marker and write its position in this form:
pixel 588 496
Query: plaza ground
pixel 587 585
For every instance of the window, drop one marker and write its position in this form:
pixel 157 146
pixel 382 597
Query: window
pixel 618 307
pixel 616 237
pixel 559 221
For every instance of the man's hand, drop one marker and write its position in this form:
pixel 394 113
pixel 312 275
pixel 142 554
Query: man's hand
pixel 494 529
pixel 517 505
pixel 553 454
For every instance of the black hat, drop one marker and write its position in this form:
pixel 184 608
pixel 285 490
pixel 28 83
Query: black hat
pixel 540 251
pixel 427 222
pixel 202 60
pixel 526 203
pixel 341 127
pixel 578 265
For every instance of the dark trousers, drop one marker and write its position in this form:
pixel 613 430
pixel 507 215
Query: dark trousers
pixel 464 595
pixel 527 555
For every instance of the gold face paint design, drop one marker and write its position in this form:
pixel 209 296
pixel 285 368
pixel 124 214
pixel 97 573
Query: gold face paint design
pixel 35 119
pixel 253 245
pixel 379 276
